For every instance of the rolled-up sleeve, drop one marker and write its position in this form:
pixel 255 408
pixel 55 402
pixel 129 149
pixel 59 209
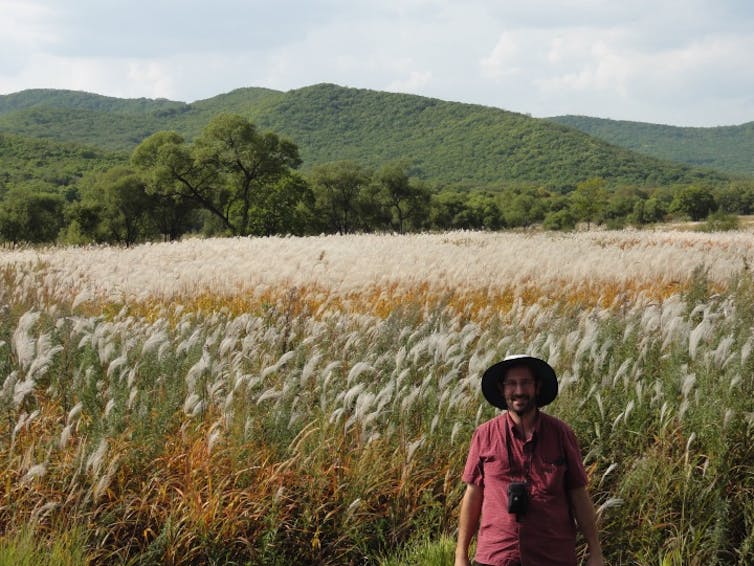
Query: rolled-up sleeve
pixel 473 471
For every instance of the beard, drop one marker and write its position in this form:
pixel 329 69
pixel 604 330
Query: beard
pixel 522 404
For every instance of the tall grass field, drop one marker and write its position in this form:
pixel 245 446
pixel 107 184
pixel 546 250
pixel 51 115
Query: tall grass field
pixel 310 400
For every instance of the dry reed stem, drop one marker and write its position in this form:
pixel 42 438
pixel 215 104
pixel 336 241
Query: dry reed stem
pixel 318 414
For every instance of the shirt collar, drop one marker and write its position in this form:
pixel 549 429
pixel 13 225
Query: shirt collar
pixel 512 425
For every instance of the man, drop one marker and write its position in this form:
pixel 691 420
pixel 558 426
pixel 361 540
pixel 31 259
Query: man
pixel 525 477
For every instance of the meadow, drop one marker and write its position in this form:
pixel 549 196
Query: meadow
pixel 310 400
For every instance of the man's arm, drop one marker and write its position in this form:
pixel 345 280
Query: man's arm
pixel 583 509
pixel 468 521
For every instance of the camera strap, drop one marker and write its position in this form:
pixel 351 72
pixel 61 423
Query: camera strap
pixel 528 454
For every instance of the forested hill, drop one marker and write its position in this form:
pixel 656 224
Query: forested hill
pixel 448 142
pixel 113 123
pixel 77 100
pixel 452 142
pixel 44 164
pixel 725 148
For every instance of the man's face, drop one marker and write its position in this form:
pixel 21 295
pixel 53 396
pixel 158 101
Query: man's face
pixel 520 390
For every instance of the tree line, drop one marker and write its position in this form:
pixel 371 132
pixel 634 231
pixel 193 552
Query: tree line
pixel 235 180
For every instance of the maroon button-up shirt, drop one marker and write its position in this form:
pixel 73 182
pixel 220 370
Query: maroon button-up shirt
pixel 498 456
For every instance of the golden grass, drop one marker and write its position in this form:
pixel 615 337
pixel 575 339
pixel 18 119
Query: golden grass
pixel 310 400
pixel 241 274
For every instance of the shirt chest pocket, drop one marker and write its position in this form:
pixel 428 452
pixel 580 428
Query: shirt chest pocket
pixel 552 475
pixel 496 468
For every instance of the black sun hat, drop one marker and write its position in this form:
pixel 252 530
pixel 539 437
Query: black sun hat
pixel 542 371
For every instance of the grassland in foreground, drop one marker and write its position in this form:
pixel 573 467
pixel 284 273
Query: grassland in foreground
pixel 275 401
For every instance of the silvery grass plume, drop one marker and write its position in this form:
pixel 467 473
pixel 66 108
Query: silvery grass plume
pixel 702 333
pixel 158 340
pixel 207 382
pixel 308 371
pixel 462 260
pixel 105 479
pixel 96 459
pixel 33 356
pixel 23 343
pixel 34 472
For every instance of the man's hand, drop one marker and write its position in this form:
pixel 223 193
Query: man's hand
pixel 471 508
pixel 583 509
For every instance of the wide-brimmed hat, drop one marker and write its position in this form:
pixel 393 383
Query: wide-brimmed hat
pixel 543 373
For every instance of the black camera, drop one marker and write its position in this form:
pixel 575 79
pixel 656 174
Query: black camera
pixel 518 498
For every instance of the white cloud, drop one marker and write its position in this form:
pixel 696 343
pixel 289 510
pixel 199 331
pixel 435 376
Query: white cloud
pixel 101 76
pixel 650 60
pixel 25 25
pixel 616 71
pixel 501 61
pixel 153 77
pixel 413 84
pixel 588 63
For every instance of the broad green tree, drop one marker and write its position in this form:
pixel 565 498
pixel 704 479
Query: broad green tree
pixel 621 202
pixel 474 210
pixel 448 210
pixel 484 210
pixel 693 201
pixel 279 208
pixel 736 197
pixel 589 200
pixel 30 216
pixel 339 188
pixel 173 217
pixel 228 171
pixel 125 208
pixel 523 210
pixel 167 165
pixel 251 167
pixel 562 219
pixel 372 210
pixel 407 200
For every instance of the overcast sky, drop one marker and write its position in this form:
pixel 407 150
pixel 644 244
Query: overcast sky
pixel 680 62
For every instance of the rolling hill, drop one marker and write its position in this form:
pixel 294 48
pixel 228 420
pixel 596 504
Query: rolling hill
pixel 36 163
pixel 448 142
pixel 725 148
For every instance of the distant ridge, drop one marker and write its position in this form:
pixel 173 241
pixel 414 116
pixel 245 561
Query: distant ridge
pixel 449 143
pixel 725 148
pixel 78 100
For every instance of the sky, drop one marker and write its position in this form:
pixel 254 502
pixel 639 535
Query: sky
pixel 677 62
